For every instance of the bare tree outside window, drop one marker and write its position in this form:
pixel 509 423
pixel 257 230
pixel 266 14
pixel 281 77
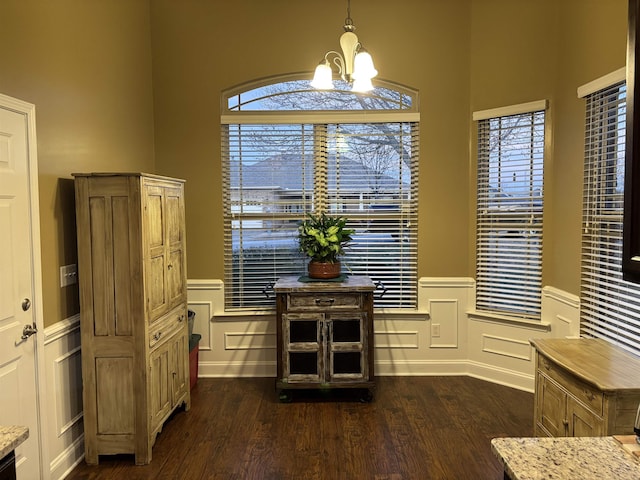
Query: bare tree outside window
pixel 277 172
pixel 509 214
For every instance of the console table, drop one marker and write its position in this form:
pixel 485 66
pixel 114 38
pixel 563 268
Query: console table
pixel 325 334
pixel 584 387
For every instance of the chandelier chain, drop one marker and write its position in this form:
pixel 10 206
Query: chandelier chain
pixel 348 23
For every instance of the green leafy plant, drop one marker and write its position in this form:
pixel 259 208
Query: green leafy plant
pixel 324 237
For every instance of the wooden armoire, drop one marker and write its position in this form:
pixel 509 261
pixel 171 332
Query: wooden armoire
pixel 133 309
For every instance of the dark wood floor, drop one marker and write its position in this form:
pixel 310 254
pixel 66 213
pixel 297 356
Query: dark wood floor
pixel 415 428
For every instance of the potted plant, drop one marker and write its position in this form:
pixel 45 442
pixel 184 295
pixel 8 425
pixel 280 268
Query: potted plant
pixel 323 238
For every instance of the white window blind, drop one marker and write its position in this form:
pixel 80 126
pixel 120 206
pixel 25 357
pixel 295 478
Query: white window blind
pixel 509 214
pixel 276 172
pixel 609 306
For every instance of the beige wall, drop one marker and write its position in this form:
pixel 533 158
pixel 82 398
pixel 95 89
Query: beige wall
pixel 202 48
pixel 86 65
pixel 545 49
pixel 135 85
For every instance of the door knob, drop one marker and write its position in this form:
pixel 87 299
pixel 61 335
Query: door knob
pixel 26 304
pixel 28 330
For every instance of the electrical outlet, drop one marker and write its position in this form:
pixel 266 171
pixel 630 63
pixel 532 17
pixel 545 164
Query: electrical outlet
pixel 68 275
pixel 435 330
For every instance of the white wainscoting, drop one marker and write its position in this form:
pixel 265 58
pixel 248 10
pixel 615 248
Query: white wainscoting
pixel 499 348
pixel 231 345
pixel 63 374
pixel 443 336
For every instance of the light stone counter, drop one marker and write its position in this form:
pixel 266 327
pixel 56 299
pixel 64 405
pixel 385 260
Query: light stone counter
pixel 11 437
pixel 564 458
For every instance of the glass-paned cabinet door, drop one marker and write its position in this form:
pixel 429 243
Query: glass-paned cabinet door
pixel 303 355
pixel 346 345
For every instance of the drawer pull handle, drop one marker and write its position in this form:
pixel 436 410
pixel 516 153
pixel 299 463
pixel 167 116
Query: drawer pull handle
pixel 268 290
pixel 324 301
pixel 157 336
pixel 589 395
pixel 380 286
pixel 181 318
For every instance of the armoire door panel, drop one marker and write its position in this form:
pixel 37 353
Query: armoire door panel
pixel 101 256
pixel 154 217
pixel 175 277
pixel 160 384
pixel 114 388
pixel 123 321
pixel 174 210
pixel 156 285
pixel 180 375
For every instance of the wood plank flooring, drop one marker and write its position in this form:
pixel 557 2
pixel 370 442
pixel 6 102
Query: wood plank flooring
pixel 415 428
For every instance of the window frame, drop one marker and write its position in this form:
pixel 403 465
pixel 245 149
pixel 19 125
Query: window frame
pixel 321 119
pixel 494 295
pixel 609 304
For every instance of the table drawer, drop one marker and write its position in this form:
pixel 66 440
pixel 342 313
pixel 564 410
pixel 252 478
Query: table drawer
pixel 324 301
pixel 583 392
pixel 167 325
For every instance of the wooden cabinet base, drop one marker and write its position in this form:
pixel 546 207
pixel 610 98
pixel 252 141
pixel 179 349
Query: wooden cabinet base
pixel 584 388
pixel 325 335
pixel 362 391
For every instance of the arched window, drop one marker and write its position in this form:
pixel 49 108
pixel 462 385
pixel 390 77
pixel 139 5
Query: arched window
pixel 289 150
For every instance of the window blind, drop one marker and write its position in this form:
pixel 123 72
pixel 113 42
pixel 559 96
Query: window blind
pixel 275 173
pixel 609 306
pixel 509 214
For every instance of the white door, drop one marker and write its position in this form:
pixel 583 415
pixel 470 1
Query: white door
pixel 19 283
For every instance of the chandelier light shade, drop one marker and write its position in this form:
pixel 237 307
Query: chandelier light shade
pixel 354 65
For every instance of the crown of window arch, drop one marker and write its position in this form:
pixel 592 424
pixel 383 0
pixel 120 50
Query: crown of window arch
pixel 296 94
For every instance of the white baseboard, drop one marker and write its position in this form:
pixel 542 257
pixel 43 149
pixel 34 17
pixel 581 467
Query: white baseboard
pixel 67 460
pixel 420 368
pixel 236 369
pixel 501 376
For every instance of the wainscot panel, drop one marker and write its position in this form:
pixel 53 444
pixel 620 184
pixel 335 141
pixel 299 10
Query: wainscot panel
pixel 63 374
pixel 499 348
pixel 443 336
pixel 232 344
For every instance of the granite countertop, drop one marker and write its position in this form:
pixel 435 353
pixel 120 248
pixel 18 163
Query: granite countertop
pixel 11 437
pixel 567 457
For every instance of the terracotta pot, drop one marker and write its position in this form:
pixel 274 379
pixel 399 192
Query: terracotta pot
pixel 323 269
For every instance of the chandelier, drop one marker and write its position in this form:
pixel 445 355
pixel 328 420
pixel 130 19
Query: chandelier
pixel 355 65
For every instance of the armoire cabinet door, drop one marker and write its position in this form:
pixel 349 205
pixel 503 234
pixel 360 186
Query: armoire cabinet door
pixel 179 374
pixel 160 384
pixel 165 259
pixel 169 376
